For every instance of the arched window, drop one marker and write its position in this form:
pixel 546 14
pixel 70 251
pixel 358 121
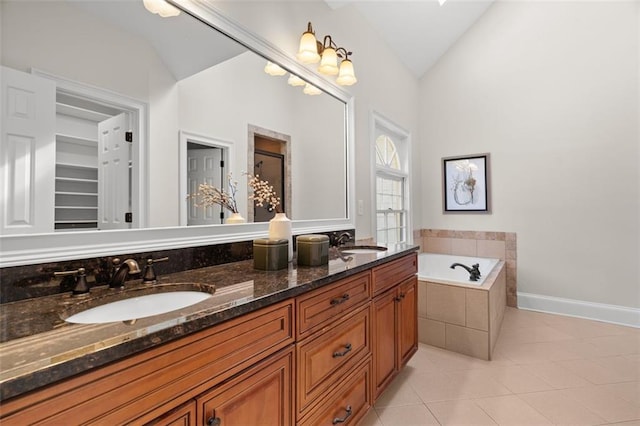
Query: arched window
pixel 391 183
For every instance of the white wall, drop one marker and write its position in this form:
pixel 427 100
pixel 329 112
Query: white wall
pixel 550 89
pixel 389 89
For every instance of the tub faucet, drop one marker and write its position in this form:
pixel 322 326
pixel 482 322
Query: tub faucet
pixel 474 270
pixel 123 270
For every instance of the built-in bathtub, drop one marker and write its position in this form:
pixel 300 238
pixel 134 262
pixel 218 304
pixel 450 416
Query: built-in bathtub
pixel 455 313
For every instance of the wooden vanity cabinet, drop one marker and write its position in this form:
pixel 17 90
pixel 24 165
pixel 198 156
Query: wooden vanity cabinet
pixel 394 320
pixel 321 358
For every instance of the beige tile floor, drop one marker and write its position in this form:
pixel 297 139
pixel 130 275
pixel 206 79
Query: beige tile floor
pixel 547 369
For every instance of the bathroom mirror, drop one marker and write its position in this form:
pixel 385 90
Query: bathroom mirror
pixel 170 76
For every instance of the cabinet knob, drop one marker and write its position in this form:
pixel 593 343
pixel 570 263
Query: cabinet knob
pixel 214 421
pixel 337 420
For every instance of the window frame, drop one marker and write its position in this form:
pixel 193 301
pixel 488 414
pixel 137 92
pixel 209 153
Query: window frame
pixel 402 140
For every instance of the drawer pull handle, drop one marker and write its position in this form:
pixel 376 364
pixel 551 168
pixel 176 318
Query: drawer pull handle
pixel 339 300
pixel 214 421
pixel 399 298
pixel 344 419
pixel 347 349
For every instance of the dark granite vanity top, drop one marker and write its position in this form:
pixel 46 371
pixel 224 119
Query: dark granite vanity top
pixel 38 347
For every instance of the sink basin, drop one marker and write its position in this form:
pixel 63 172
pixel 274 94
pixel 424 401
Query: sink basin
pixel 138 307
pixel 362 249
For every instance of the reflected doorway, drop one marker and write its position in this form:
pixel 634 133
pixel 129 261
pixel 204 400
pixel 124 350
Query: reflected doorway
pixel 203 160
pixel 269 157
pixel 204 165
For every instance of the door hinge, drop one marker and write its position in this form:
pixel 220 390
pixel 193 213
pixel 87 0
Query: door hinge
pixel 128 217
pixel 221 215
pixel 222 164
pixel 128 136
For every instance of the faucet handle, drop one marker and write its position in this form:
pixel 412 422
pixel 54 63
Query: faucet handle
pixel 81 286
pixel 150 273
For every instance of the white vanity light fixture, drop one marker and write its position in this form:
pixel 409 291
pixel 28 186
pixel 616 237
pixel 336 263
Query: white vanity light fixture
pixel 347 76
pixel 329 61
pixel 311 90
pixel 311 51
pixel 161 7
pixel 274 69
pixel 294 80
pixel 308 50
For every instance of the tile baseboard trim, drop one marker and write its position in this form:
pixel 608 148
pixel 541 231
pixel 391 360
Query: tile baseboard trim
pixel 614 314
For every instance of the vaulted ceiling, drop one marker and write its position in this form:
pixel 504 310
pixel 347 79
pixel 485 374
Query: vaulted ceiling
pixel 418 31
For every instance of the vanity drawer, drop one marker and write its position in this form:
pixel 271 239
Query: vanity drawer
pixel 324 359
pixel 392 273
pixel 325 304
pixel 349 400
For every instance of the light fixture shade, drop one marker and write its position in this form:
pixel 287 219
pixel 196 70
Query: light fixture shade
pixel 308 51
pixel 311 90
pixel 329 62
pixel 274 69
pixel 294 80
pixel 347 76
pixel 161 8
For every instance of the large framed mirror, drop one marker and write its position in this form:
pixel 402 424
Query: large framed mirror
pixel 163 91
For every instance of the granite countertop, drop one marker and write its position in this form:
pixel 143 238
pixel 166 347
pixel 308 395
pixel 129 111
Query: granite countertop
pixel 37 346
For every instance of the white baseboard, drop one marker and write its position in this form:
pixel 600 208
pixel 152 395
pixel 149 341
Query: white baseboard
pixel 614 314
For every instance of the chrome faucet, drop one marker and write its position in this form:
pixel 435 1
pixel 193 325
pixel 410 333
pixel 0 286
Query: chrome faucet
pixel 123 270
pixel 474 270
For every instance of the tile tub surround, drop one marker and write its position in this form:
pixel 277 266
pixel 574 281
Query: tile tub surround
pixel 463 318
pixel 40 348
pixel 500 245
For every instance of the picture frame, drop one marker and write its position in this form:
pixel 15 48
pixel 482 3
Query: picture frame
pixel 466 184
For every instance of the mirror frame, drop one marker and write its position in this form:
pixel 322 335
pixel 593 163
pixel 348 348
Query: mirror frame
pixel 18 250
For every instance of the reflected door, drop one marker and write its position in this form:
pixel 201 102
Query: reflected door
pixel 27 152
pixel 204 165
pixel 114 173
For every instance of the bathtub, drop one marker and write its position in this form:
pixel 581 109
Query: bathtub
pixel 437 268
pixel 455 313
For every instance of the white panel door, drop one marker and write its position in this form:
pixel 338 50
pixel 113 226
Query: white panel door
pixel 203 166
pixel 114 180
pixel 27 152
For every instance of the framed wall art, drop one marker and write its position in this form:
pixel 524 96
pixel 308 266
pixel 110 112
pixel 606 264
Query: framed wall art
pixel 466 184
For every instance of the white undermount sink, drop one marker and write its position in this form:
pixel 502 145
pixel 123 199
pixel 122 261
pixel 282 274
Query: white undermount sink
pixel 138 307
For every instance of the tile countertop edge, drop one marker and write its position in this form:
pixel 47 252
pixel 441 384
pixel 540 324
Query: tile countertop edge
pixel 22 383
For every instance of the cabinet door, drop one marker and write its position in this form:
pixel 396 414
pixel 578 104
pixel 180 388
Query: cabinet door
pixel 185 415
pixel 407 319
pixel 384 340
pixel 261 396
